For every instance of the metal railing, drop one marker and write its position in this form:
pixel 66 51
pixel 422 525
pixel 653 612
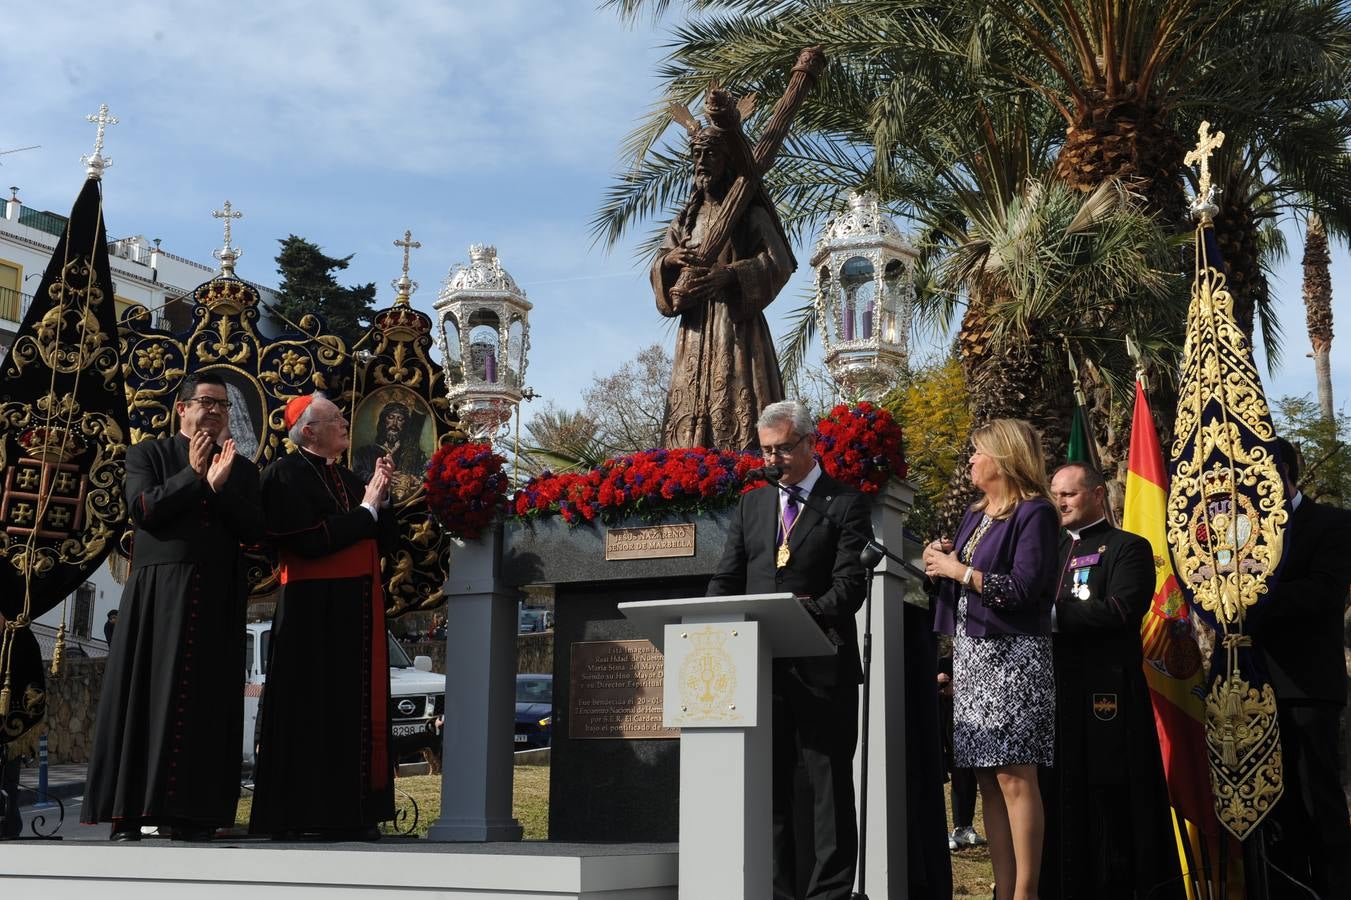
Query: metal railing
pixel 14 304
pixel 42 221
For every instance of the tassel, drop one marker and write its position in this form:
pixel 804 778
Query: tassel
pixel 119 567
pixel 4 697
pixel 59 653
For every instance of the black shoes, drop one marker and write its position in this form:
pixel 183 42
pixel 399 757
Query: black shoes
pixel 126 831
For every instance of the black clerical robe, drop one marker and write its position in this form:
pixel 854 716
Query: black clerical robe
pixel 324 759
pixel 169 734
pixel 1109 832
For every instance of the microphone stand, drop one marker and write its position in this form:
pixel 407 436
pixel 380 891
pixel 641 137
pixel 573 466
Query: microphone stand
pixel 871 554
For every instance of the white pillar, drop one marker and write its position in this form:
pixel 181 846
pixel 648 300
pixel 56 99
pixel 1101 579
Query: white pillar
pixel 887 836
pixel 477 745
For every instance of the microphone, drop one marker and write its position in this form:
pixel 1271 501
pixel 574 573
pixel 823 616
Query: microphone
pixel 768 473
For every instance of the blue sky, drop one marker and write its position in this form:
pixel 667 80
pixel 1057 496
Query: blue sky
pixel 348 121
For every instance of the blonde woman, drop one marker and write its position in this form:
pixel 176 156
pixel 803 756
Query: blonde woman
pixel 996 585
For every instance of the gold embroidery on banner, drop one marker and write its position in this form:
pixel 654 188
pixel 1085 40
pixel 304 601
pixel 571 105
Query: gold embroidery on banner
pixel 1226 519
pixel 1243 742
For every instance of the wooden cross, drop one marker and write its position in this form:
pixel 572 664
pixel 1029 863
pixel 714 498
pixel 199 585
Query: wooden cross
pixel 1207 144
pixel 227 214
pixel 97 163
pixel 407 244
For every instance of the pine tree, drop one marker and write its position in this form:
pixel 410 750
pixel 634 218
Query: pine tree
pixel 309 287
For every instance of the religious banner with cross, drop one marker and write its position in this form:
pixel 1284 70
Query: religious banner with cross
pixel 63 431
pixel 398 408
pixel 261 373
pixel 1227 512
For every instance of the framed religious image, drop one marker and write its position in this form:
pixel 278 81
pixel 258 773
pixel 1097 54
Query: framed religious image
pixel 246 409
pixel 393 421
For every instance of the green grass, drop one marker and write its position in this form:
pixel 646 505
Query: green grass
pixel 972 874
pixel 530 802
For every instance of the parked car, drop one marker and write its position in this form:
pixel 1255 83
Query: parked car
pixel 417 696
pixel 531 619
pixel 534 711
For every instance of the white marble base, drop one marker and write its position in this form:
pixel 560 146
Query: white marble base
pixel 390 869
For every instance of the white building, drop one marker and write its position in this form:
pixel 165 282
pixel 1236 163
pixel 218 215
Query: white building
pixel 143 273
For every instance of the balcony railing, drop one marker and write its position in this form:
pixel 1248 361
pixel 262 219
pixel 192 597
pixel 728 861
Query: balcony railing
pixel 13 304
pixel 42 221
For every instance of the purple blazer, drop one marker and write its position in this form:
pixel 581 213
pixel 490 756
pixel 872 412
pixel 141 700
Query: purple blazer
pixel 1018 558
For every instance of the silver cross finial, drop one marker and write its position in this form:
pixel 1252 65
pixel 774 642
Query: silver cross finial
pixel 94 165
pixel 227 254
pixel 403 285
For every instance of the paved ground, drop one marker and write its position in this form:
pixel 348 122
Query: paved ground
pixel 65 788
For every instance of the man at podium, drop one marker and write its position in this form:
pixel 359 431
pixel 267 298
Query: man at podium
pixel 804 536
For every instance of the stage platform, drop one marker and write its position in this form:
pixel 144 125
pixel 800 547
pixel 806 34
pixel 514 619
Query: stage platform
pixel 392 868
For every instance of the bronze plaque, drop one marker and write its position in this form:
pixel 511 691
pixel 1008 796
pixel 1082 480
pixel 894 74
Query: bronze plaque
pixel 650 542
pixel 616 691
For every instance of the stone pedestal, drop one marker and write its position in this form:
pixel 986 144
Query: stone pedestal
pixel 480 698
pixel 608 789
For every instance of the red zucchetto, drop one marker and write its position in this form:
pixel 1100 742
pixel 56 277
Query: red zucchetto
pixel 295 408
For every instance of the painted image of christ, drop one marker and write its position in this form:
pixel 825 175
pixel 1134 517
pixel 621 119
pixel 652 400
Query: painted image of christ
pixel 398 434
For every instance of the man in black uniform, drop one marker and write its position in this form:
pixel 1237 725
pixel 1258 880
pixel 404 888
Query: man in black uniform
pixel 170 717
pixel 1109 833
pixel 779 542
pixel 324 760
pixel 1299 631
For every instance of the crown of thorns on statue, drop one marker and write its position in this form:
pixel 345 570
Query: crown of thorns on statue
pixel 722 114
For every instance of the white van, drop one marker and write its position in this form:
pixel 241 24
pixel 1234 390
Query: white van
pixel 417 696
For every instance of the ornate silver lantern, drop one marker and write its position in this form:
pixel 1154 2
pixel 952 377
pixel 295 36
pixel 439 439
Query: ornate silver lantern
pixel 484 340
pixel 865 295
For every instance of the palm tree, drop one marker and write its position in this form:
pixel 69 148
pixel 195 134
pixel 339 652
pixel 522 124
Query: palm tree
pixel 1318 310
pixel 559 440
pixel 1030 266
pixel 948 110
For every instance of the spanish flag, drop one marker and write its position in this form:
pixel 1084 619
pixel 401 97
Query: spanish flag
pixel 1173 666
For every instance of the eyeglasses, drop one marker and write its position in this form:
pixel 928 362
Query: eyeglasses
pixel 782 449
pixel 209 403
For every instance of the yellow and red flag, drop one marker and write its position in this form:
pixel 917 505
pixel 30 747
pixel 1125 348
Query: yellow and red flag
pixel 1173 667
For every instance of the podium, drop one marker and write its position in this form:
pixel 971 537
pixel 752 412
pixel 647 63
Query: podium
pixel 718 652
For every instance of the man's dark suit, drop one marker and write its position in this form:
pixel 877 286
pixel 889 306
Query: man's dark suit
pixel 1299 630
pixel 1109 831
pixel 815 699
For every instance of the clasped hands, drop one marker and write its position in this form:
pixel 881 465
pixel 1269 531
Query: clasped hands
pixel 940 560
pixel 216 471
pixel 377 489
pixel 705 283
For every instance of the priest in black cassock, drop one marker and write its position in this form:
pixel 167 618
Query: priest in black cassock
pixel 167 743
pixel 1109 831
pixel 324 760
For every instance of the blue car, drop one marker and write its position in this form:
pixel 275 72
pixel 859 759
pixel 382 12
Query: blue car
pixel 534 711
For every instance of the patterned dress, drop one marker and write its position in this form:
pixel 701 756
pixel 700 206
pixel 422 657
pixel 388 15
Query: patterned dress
pixel 1003 703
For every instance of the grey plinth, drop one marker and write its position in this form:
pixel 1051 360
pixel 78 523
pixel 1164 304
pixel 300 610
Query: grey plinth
pixel 477 748
pixel 887 838
pixel 718 652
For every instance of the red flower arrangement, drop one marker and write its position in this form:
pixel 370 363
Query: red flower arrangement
pixel 862 446
pixel 649 484
pixel 466 488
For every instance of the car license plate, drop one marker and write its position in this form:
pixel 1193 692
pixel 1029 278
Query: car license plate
pixel 406 730
pixel 522 738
